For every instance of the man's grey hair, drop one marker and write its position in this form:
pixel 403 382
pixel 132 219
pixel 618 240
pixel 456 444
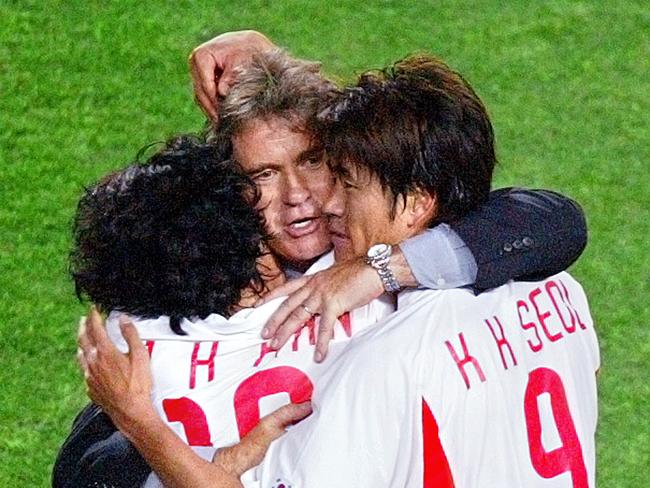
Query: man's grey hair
pixel 275 85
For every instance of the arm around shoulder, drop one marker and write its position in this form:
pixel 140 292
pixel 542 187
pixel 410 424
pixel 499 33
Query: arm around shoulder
pixel 523 235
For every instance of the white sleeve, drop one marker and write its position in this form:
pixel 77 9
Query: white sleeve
pixel 114 332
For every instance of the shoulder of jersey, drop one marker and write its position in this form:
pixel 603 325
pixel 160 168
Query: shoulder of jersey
pixel 243 325
pixel 464 299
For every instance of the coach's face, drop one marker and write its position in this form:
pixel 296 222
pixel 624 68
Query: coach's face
pixel 361 213
pixel 293 181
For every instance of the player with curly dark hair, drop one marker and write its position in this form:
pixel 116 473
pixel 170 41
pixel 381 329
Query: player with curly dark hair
pixel 175 240
pixel 176 236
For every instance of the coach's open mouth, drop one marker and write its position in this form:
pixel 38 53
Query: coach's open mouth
pixel 303 227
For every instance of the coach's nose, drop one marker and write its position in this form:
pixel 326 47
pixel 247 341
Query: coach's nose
pixel 295 189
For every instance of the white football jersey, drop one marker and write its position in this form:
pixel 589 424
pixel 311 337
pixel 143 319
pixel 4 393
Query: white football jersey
pixel 214 384
pixel 455 390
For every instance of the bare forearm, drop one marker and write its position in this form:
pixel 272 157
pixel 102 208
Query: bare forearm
pixel 401 269
pixel 173 460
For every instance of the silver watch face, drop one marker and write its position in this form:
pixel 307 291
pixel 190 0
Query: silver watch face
pixel 378 250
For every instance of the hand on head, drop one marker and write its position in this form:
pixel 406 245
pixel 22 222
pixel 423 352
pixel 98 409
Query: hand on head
pixel 213 65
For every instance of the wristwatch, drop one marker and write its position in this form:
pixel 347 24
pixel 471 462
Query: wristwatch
pixel 378 257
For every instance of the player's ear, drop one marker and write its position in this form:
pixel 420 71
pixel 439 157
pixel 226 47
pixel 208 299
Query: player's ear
pixel 421 208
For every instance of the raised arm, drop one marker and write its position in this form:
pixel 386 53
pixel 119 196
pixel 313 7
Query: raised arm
pixel 213 65
pixel 523 235
pixel 517 234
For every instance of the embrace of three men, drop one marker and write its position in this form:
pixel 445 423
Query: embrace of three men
pixel 440 344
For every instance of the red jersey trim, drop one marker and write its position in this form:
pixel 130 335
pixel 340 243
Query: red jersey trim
pixel 436 468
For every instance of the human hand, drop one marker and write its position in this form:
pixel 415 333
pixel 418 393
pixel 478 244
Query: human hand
pixel 213 65
pixel 120 383
pixel 250 452
pixel 329 293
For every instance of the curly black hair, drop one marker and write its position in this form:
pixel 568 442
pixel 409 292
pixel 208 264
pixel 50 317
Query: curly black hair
pixel 175 236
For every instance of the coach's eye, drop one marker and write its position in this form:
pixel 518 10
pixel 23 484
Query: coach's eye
pixel 264 175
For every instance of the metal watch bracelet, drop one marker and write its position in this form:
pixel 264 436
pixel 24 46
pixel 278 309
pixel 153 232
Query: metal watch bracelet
pixel 378 258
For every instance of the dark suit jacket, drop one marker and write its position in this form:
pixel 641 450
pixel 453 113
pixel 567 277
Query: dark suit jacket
pixel 97 455
pixel 523 235
pixel 517 234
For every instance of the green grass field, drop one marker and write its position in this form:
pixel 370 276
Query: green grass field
pixel 85 84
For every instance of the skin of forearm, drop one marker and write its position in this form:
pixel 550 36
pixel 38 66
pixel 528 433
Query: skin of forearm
pixel 172 460
pixel 401 269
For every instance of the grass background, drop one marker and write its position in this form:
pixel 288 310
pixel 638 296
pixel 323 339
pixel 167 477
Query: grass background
pixel 85 84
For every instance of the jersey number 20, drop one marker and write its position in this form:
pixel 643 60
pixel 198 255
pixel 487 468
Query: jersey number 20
pixel 246 402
